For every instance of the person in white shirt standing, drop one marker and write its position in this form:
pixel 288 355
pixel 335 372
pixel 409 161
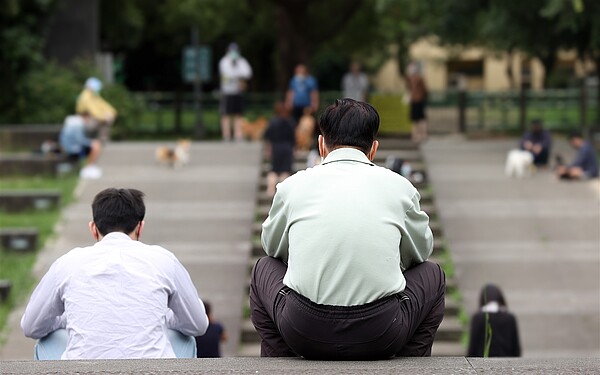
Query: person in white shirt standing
pixel 346 276
pixel 117 299
pixel 355 84
pixel 234 70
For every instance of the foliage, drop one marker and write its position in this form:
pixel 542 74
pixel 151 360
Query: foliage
pixel 129 106
pixel 22 25
pixel 17 267
pixel 48 95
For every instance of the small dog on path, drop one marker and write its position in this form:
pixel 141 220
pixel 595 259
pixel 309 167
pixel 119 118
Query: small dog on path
pixel 174 157
pixel 519 164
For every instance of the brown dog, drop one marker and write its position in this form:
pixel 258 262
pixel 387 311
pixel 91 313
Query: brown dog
pixel 174 157
pixel 305 131
pixel 254 130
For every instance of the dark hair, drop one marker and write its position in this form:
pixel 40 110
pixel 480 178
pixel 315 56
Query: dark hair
pixel 207 307
pixel 348 122
pixel 575 134
pixel 537 121
pixel 118 210
pixel 491 293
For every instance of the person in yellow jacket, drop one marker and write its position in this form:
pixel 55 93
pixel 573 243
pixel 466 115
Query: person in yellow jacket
pixel 90 101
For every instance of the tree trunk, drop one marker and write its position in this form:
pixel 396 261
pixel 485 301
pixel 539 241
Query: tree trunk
pixel 292 46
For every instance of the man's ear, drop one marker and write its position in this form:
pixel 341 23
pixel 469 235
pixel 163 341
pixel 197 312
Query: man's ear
pixel 374 147
pixel 94 230
pixel 139 229
pixel 322 148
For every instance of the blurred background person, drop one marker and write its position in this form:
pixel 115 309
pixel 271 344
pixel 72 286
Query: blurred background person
pixel 303 92
pixel 234 70
pixel 355 84
pixel 89 101
pixel 585 164
pixel 418 101
pixel 209 344
pixel 77 145
pixel 494 331
pixel 538 142
pixel 281 138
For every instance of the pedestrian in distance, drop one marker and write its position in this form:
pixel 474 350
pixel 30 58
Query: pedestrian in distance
pixel 494 331
pixel 209 344
pixel 234 70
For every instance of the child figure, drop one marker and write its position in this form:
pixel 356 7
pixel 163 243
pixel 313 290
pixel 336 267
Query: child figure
pixel 281 137
pixel 209 344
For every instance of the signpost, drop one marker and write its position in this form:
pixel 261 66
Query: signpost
pixel 196 61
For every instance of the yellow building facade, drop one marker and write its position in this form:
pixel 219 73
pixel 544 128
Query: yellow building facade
pixel 472 68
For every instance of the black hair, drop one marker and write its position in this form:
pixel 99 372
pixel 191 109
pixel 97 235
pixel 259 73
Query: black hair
pixel 575 134
pixel 118 210
pixel 207 307
pixel 491 293
pixel 348 122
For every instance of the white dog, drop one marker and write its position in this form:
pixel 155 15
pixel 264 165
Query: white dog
pixel 518 163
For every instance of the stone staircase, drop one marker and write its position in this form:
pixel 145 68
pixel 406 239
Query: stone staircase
pixel 448 340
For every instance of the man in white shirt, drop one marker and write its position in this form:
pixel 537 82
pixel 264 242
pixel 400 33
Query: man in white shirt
pixel 234 70
pixel 346 275
pixel 119 298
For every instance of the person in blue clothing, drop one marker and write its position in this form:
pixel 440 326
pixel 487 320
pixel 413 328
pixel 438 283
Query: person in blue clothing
pixel 303 92
pixel 538 142
pixel 209 344
pixel 585 164
pixel 77 145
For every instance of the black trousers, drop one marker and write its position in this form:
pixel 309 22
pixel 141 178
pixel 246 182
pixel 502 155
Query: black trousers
pixel 400 325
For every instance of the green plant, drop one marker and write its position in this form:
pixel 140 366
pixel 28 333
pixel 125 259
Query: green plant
pixel 17 267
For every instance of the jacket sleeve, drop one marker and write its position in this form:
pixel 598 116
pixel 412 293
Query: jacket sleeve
pixel 275 235
pixel 416 244
pixel 44 312
pixel 188 315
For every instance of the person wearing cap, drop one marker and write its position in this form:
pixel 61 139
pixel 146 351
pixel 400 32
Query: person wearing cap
pixel 234 70
pixel 100 110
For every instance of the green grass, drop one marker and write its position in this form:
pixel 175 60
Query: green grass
pixel 17 266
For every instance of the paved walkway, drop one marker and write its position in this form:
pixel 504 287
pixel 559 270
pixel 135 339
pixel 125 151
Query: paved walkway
pixel 537 238
pixel 202 212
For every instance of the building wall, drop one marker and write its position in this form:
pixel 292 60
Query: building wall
pixel 437 62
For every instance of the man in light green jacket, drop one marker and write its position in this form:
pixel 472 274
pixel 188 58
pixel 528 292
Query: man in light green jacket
pixel 346 275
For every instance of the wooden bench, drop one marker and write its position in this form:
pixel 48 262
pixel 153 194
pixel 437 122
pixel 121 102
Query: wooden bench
pixel 18 239
pixel 27 137
pixel 28 200
pixel 5 287
pixel 28 164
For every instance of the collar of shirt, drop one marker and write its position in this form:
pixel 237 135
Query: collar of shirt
pixel 116 236
pixel 347 154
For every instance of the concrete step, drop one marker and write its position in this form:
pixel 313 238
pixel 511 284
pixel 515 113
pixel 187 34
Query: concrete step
pixel 408 155
pixel 439 349
pixel 29 200
pixel 450 330
pixel 435 226
pixel 416 166
pixel 27 164
pixel 257 249
pixel 18 239
pixel 262 211
pixel 266 199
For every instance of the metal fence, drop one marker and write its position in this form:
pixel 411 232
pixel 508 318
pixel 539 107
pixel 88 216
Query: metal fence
pixel 166 113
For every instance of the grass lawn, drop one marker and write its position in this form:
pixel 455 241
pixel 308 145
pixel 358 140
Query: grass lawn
pixel 15 266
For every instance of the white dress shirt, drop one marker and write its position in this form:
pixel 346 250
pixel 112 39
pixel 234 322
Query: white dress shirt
pixel 347 228
pixel 116 299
